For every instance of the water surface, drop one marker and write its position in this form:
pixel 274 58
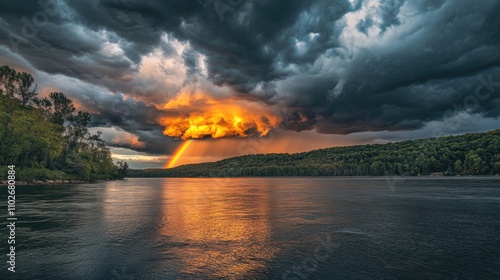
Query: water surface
pixel 259 228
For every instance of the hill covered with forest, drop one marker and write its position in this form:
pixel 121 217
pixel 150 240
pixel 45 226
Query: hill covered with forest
pixel 45 138
pixel 468 154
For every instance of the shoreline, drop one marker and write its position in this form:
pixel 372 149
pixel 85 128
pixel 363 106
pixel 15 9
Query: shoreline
pixel 76 182
pixel 52 182
pixel 367 176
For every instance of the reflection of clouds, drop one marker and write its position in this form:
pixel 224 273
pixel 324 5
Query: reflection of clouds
pixel 221 225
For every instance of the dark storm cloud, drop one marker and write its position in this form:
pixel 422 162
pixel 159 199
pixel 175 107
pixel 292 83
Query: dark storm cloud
pixel 364 24
pixel 328 73
pixel 394 86
pixel 46 37
pixel 241 51
pixel 137 118
pixel 389 13
pixel 192 63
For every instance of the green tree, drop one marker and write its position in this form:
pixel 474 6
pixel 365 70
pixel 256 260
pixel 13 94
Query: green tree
pixel 458 167
pixel 62 107
pixel 473 163
pixel 45 138
pixel 26 88
pixel 8 78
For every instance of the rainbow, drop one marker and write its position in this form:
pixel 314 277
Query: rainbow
pixel 177 154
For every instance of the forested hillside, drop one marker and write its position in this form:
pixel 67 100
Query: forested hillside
pixel 469 154
pixel 45 138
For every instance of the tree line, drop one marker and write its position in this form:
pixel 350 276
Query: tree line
pixel 46 138
pixel 468 154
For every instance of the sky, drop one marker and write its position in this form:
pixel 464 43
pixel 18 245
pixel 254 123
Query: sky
pixel 203 80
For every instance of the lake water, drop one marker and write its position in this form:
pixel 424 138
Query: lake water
pixel 258 228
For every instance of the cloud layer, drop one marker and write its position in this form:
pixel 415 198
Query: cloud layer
pixel 337 67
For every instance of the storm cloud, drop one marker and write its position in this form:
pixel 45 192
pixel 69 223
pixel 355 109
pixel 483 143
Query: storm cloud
pixel 337 67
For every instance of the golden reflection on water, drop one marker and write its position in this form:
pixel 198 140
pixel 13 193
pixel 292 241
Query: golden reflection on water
pixel 225 230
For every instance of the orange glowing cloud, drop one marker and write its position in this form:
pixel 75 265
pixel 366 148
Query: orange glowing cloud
pixel 199 115
pixel 127 139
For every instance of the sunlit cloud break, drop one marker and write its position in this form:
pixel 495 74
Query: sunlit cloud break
pixel 198 115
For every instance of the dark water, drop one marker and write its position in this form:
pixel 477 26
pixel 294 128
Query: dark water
pixel 266 228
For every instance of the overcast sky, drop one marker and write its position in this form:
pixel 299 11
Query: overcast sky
pixel 307 74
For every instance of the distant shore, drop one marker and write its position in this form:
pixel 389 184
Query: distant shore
pixel 75 182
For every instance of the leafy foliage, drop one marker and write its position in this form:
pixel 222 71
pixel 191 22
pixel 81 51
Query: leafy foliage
pixel 469 154
pixel 45 138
